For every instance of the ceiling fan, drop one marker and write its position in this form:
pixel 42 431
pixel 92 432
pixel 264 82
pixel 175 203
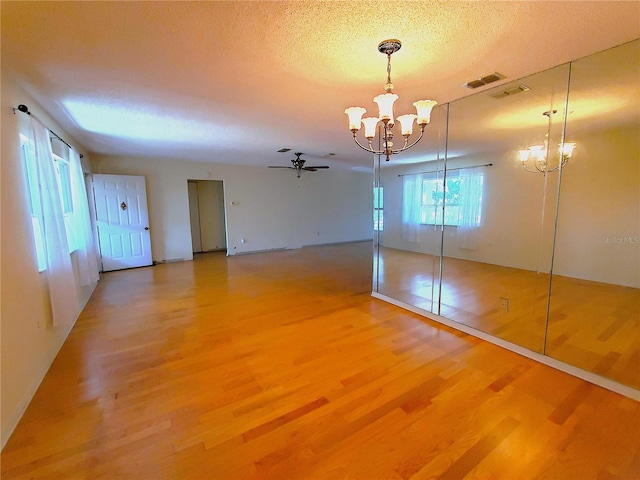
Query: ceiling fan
pixel 298 165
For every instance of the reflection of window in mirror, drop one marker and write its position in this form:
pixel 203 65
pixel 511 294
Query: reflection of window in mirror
pixel 458 202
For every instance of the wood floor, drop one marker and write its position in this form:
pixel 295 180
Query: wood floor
pixel 594 326
pixel 282 366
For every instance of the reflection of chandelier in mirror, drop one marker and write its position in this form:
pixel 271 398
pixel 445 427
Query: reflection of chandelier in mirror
pixel 385 105
pixel 534 158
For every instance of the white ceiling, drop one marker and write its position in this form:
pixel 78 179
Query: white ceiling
pixel 232 82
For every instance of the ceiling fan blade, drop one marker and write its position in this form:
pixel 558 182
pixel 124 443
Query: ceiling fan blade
pixel 279 166
pixel 317 166
pixel 309 169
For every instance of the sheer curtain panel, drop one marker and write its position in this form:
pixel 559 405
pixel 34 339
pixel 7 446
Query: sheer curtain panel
pixel 411 207
pixel 86 246
pixel 61 282
pixel 471 184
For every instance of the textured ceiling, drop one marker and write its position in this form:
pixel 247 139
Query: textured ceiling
pixel 233 82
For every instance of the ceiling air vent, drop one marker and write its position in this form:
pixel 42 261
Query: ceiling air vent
pixel 492 77
pixel 511 91
pixel 283 150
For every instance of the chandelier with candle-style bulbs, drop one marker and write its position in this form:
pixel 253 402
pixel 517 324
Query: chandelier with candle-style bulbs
pixel 385 106
pixel 534 158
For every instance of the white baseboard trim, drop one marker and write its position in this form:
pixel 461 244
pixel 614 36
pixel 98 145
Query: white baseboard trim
pixel 297 247
pixel 525 352
pixel 346 242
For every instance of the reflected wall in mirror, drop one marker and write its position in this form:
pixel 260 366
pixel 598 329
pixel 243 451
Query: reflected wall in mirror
pixel 496 271
pixel 543 254
pixel 595 292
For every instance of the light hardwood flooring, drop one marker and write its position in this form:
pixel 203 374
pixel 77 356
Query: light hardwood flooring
pixel 594 326
pixel 282 366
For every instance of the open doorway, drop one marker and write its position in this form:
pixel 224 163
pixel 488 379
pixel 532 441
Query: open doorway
pixel 206 210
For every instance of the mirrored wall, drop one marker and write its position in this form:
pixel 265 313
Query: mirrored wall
pixel 522 218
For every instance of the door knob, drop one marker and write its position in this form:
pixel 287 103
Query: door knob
pixel 146 228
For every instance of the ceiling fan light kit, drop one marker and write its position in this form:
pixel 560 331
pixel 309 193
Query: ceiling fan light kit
pixel 385 103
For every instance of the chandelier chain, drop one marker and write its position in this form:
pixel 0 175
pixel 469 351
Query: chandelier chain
pixel 389 86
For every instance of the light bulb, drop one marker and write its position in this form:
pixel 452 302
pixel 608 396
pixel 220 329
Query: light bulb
pixel 370 124
pixel 538 152
pixel 355 117
pixel 406 123
pixel 423 109
pixel 523 155
pixel 566 149
pixel 385 103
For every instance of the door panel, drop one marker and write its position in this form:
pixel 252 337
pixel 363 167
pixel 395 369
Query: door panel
pixel 122 220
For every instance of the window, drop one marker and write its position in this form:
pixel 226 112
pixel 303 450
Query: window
pixel 459 199
pixel 378 209
pixel 63 173
pixel 63 177
pixel 35 203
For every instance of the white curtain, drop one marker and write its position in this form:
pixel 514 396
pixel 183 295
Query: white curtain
pixel 62 288
pixel 471 184
pixel 411 207
pixel 86 248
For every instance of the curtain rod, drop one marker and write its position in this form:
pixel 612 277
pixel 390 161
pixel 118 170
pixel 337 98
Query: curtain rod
pixel 24 109
pixel 448 169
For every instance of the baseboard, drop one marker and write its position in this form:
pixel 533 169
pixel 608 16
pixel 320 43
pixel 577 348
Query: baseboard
pixel 267 250
pixel 346 242
pixel 167 260
pixel 311 245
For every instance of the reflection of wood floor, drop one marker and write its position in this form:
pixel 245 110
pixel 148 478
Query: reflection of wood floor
pixel 594 326
pixel 282 366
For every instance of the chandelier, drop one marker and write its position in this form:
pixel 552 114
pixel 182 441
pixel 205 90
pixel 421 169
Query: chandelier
pixel 385 103
pixel 534 158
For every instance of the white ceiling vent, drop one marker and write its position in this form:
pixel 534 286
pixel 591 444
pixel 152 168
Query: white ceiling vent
pixel 511 91
pixel 492 77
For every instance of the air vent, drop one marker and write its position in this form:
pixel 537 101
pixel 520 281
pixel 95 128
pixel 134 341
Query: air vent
pixel 511 91
pixel 283 150
pixel 474 84
pixel 492 77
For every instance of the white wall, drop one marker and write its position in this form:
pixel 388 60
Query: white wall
pixel 29 342
pixel 599 218
pixel 270 209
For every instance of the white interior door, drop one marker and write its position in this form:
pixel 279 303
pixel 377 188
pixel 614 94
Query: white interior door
pixel 122 221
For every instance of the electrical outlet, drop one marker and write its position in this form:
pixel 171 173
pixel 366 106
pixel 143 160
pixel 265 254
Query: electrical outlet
pixel 504 304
